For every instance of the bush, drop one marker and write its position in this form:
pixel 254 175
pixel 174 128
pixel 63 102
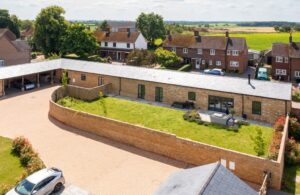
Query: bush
pixel 242 123
pixel 140 57
pixel 185 68
pixel 294 128
pixel 33 55
pixel 275 145
pixel 167 58
pixel 292 152
pixel 259 142
pixel 193 116
pixel 18 144
pixel 296 96
pixel 279 123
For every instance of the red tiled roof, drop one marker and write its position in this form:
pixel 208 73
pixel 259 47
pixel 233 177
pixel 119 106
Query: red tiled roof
pixel 123 37
pixel 295 50
pixel 286 49
pixel 8 33
pixel 205 42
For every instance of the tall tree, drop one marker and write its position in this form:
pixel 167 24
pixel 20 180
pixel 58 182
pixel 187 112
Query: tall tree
pixel 104 25
pixel 50 27
pixel 78 40
pixel 151 26
pixel 6 21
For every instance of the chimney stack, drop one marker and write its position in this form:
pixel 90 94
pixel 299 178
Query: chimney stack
pixel 107 33
pixel 128 32
pixel 170 37
pixel 227 34
pixel 291 37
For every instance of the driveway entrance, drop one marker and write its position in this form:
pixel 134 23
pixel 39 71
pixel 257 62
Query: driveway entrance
pixel 93 163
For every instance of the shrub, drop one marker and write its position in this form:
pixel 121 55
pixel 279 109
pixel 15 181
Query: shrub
pixel 18 144
pixel 292 153
pixel 140 57
pixel 27 154
pixel 167 58
pixel 279 123
pixel 294 128
pixel 275 145
pixel 192 116
pixel 296 96
pixel 259 143
pixel 242 123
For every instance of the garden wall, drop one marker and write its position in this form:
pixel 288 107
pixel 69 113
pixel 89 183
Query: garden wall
pixel 247 167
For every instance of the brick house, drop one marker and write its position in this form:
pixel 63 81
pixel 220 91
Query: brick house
pixel 13 51
pixel 258 100
pixel 227 53
pixel 118 45
pixel 286 61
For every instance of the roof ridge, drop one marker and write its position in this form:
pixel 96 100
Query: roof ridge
pixel 210 177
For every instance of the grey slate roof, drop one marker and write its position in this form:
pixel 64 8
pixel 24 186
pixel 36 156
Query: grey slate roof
pixel 211 179
pixel 273 90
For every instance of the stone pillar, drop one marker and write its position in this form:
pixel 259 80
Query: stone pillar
pixel 22 85
pixel 38 80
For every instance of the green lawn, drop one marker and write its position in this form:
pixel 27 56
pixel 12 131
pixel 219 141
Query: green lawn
pixel 10 166
pixel 170 120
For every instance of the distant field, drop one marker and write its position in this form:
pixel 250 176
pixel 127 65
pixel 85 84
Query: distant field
pixel 259 41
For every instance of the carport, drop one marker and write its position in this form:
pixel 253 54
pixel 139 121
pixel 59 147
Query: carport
pixel 17 76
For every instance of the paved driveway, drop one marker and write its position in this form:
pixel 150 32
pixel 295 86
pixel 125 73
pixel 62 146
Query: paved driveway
pixel 93 163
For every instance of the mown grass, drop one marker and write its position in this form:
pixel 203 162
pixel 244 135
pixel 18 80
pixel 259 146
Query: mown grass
pixel 10 166
pixel 171 120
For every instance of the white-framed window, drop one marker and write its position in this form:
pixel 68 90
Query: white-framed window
pixel 210 62
pixel 279 59
pixel 2 63
pixel 228 52
pixel 199 51
pixel 235 52
pixel 218 63
pixel 286 60
pixel 212 52
pixel 174 49
pixel 281 72
pixel 185 50
pixel 297 74
pixel 234 64
pixel 203 62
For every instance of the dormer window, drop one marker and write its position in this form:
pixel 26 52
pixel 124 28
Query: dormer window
pixel 212 52
pixel 235 52
pixel 185 50
pixel 114 44
pixel 174 49
pixel 279 59
pixel 200 51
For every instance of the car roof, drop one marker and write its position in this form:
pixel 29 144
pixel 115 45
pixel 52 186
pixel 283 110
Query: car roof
pixel 217 69
pixel 38 176
pixel 262 69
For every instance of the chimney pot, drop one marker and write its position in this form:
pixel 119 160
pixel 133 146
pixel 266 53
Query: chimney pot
pixel 291 38
pixel 249 79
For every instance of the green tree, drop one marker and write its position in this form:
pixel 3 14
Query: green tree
pixel 7 22
pixel 50 27
pixel 166 58
pixel 259 143
pixel 151 26
pixel 104 25
pixel 78 40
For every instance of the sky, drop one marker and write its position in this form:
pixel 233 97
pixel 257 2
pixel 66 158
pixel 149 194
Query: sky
pixel 187 10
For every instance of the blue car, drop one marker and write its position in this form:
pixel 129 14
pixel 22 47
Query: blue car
pixel 215 71
pixel 262 74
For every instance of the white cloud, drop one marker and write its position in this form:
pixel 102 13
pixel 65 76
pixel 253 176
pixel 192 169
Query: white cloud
pixel 196 10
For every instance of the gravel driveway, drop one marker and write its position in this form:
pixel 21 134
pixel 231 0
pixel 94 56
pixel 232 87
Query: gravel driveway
pixel 93 163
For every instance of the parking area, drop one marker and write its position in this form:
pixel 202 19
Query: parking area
pixel 93 163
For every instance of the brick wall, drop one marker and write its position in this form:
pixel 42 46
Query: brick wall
pixel 295 66
pixel 247 167
pixel 277 65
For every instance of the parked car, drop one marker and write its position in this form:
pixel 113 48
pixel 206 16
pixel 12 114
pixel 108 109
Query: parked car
pixel 215 71
pixel 42 182
pixel 262 74
pixel 28 85
pixel 184 105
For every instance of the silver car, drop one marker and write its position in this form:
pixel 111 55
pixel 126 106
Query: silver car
pixel 42 182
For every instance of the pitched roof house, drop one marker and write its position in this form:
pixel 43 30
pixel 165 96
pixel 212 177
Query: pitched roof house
pixel 118 45
pixel 225 52
pixel 286 61
pixel 13 51
pixel 121 26
pixel 205 180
